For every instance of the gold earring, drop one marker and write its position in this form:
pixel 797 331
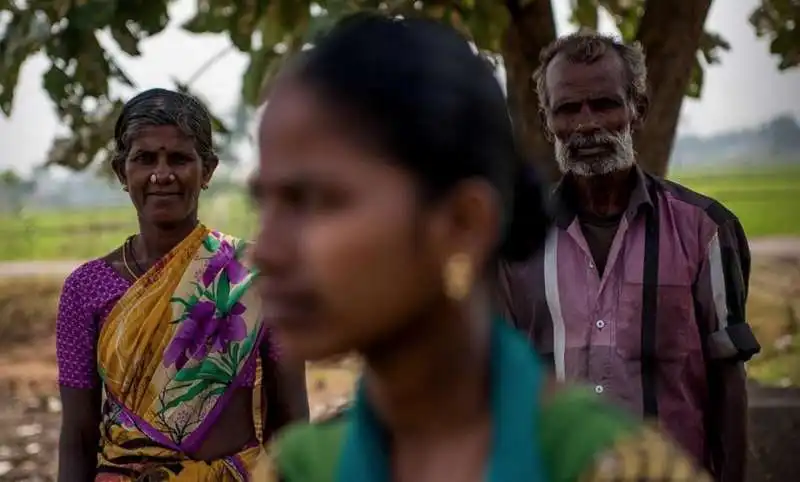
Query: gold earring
pixel 458 277
pixel 204 186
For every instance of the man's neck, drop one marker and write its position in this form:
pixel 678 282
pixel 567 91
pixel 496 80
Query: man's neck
pixel 433 379
pixel 603 196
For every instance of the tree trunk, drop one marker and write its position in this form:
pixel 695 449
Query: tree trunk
pixel 531 28
pixel 670 32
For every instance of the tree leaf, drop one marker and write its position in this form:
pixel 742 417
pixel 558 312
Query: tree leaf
pixel 710 45
pixel 213 16
pixel 127 41
pixel 244 21
pixel 91 137
pixel 91 15
pixel 24 35
pixel 626 15
pixel 255 76
pixel 778 20
pixel 695 88
pixel 585 13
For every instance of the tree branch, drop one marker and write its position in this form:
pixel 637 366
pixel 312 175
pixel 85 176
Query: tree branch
pixel 208 64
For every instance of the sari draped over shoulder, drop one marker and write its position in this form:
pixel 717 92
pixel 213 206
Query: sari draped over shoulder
pixel 170 354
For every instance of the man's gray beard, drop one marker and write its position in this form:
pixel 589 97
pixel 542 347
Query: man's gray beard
pixel 624 157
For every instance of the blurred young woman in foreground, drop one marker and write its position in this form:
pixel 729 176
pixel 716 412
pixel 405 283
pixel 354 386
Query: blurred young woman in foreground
pixel 389 183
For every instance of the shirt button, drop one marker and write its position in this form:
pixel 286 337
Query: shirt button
pixel 600 324
pixel 598 389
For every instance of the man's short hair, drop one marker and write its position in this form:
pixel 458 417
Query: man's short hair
pixel 588 47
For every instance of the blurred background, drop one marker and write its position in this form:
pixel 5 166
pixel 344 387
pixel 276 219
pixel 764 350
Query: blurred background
pixel 725 122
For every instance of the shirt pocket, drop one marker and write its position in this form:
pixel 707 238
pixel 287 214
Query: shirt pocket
pixel 674 323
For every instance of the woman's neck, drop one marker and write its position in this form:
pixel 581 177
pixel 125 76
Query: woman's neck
pixel 433 379
pixel 156 241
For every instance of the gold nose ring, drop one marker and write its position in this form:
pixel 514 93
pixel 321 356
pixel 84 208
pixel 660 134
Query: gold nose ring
pixel 171 177
pixel 153 178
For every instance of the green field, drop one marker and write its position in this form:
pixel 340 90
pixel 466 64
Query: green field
pixel 762 200
pixel 88 233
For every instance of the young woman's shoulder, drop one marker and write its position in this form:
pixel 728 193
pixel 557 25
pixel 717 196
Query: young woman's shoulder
pixel 586 439
pixel 305 452
pixel 582 439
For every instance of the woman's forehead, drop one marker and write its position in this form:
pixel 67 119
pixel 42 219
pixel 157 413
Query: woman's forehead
pixel 159 137
pixel 293 111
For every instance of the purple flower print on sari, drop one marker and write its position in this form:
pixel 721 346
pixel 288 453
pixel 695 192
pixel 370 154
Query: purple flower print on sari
pixel 231 328
pixel 205 330
pixel 224 260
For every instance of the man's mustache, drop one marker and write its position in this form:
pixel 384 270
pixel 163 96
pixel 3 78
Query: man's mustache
pixel 582 141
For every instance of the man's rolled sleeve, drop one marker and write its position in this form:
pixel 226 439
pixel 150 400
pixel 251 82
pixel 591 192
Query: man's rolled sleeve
pixel 721 295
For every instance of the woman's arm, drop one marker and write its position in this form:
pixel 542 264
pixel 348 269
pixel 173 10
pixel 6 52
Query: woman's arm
pixel 284 389
pixel 80 435
pixel 76 338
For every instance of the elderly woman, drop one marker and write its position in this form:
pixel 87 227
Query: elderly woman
pixel 389 184
pixel 164 363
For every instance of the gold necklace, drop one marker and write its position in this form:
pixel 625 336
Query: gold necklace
pixel 125 260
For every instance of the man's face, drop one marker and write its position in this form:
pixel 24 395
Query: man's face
pixel 590 116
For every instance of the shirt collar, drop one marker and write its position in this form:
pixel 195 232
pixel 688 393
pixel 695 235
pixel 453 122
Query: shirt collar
pixel 563 202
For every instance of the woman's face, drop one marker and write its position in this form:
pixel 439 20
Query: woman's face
pixel 347 256
pixel 170 155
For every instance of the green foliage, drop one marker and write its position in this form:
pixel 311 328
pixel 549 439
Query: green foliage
pixel 81 68
pixel 779 20
pixel 10 178
pixel 267 31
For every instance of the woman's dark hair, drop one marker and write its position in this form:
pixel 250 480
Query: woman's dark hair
pixel 162 107
pixel 424 96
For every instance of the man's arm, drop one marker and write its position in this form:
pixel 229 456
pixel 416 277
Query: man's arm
pixel 721 296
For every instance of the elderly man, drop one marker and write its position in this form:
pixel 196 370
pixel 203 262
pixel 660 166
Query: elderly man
pixel 641 288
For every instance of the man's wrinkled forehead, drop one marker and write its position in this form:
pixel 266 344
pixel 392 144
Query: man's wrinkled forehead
pixel 566 76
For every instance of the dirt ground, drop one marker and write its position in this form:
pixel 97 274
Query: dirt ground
pixel 30 410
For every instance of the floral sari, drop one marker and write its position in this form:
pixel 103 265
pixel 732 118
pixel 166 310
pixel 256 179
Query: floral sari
pixel 170 354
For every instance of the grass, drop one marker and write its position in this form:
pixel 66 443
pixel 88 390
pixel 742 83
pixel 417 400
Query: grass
pixel 89 233
pixel 761 199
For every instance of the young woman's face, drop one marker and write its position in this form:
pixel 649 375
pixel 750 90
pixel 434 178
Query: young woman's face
pixel 347 256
